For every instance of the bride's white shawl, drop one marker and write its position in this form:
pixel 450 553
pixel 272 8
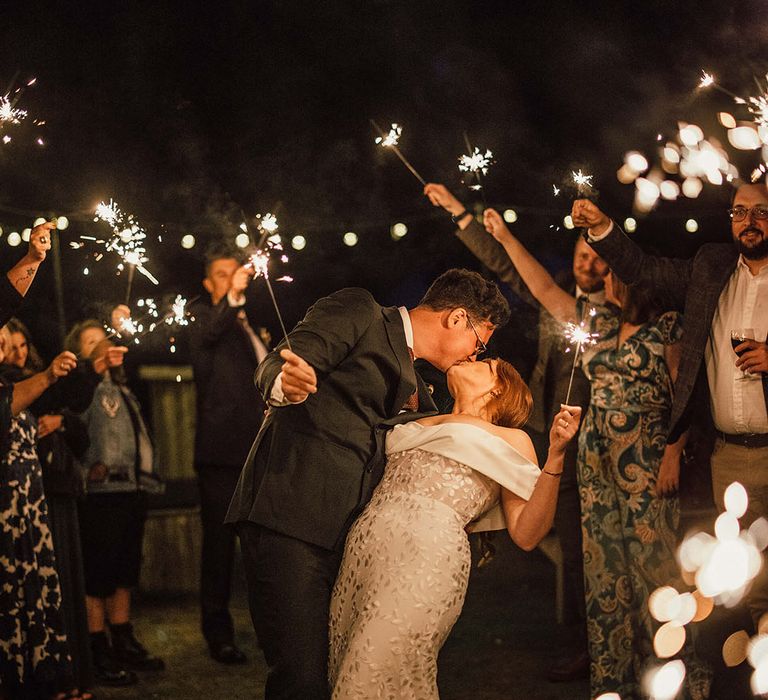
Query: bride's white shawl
pixel 477 448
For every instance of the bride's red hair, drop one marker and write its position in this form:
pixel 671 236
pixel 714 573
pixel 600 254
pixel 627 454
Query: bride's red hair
pixel 511 401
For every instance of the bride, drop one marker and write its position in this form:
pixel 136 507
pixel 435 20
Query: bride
pixel 406 562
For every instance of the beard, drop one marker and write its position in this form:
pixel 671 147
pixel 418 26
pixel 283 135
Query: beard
pixel 758 251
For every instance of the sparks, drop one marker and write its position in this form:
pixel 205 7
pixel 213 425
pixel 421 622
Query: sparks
pixel 9 114
pixel 178 314
pixel 392 138
pixel 259 261
pixel 707 79
pixel 127 239
pixel 476 162
pixel 578 335
pixel 555 190
pixel 581 179
pixel 758 108
pixel 267 223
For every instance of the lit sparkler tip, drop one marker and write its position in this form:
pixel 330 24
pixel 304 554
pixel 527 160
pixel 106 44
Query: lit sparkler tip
pixel 9 114
pixel 555 190
pixel 578 335
pixel 259 261
pixel 476 162
pixel 392 138
pixel 267 222
pixel 581 179
pixel 707 79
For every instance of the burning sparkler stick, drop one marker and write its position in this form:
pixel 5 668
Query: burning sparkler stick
pixel 259 263
pixel 578 335
pixel 582 181
pixel 127 240
pixel 389 140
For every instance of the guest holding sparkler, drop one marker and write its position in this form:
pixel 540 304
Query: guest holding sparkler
pixel 627 477
pixel 34 655
pixel 549 381
pixel 62 440
pixel 118 468
pixel 225 350
pixel 320 453
pixel 723 292
pixel 14 285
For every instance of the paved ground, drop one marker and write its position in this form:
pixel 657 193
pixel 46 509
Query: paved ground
pixel 500 648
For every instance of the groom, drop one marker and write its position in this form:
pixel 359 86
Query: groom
pixel 320 452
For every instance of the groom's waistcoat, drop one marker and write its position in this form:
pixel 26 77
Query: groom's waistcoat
pixel 314 465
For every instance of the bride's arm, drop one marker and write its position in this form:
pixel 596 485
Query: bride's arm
pixel 529 521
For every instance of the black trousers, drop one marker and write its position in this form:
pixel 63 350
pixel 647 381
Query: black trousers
pixel 289 593
pixel 217 484
pixel 568 527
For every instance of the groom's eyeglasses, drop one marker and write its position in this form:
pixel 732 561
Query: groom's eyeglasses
pixel 480 346
pixel 759 211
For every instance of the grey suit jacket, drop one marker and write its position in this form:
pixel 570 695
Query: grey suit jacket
pixel 692 286
pixel 550 374
pixel 314 465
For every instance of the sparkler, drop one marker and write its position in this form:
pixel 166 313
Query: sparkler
pixel 582 181
pixel 259 262
pixel 477 163
pixel 578 335
pixel 127 240
pixel 390 140
pixel 10 114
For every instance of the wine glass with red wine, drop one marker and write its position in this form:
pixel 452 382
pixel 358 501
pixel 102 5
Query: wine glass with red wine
pixel 738 336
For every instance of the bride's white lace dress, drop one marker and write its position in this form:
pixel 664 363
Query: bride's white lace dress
pixel 406 562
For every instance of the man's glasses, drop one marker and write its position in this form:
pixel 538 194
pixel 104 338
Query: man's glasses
pixel 480 346
pixel 759 211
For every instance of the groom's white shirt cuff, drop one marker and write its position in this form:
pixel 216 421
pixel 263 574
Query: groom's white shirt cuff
pixel 601 236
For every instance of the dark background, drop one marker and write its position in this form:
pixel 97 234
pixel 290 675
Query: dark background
pixel 187 113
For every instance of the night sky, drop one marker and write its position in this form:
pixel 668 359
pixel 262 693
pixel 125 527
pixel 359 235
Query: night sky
pixel 187 114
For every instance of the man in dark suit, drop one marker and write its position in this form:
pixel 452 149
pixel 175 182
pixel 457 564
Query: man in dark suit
pixel 548 384
pixel 319 454
pixel 225 351
pixel 721 291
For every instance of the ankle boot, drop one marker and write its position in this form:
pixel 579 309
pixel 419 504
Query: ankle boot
pixel 129 651
pixel 106 670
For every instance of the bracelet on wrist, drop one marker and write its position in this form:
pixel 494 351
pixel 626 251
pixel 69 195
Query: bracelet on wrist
pixel 557 475
pixel 458 217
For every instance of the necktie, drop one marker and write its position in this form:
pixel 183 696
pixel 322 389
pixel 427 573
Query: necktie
pixel 412 402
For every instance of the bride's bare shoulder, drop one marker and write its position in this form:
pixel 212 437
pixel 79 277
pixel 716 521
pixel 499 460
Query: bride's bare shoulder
pixel 520 440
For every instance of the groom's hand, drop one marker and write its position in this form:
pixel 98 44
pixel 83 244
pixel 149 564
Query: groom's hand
pixel 299 379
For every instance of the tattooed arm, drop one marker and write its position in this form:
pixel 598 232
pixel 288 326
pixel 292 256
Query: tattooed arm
pixel 23 273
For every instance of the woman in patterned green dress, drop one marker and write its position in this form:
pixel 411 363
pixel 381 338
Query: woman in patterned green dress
pixel 628 474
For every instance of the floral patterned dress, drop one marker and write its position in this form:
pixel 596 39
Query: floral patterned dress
pixel 33 647
pixel 629 534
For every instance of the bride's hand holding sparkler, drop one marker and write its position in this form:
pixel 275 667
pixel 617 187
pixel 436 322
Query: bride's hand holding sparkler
pixel 585 214
pixel 298 377
pixel 40 240
pixel 495 225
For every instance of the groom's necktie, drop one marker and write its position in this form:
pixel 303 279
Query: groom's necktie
pixel 412 402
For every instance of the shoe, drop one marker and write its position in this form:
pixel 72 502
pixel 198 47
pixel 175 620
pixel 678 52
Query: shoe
pixel 227 654
pixel 106 670
pixel 128 651
pixel 569 668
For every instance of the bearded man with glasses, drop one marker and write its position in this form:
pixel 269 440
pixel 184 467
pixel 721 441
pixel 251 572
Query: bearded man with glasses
pixel 723 293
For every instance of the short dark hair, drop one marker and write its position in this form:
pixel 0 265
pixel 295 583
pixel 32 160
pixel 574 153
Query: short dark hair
pixel 221 251
pixel 471 291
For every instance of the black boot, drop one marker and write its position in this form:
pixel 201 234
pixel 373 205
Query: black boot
pixel 106 670
pixel 127 650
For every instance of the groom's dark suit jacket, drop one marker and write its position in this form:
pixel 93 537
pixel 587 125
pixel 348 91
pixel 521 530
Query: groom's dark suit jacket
pixel 692 286
pixel 314 465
